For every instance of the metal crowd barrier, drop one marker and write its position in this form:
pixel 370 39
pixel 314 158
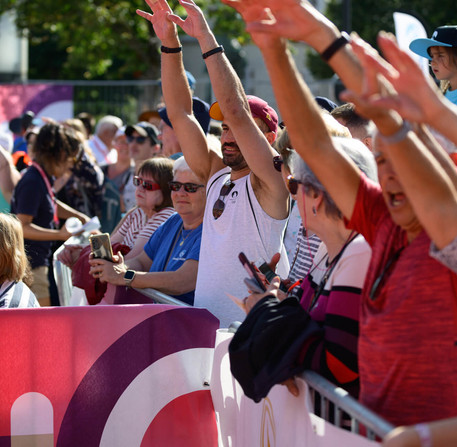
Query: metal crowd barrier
pixel 334 401
pixel 342 402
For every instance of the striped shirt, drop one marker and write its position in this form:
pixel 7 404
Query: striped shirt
pixel 136 225
pixel 305 252
pixel 337 310
pixel 16 294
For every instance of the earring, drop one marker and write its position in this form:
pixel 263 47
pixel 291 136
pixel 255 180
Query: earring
pixel 314 211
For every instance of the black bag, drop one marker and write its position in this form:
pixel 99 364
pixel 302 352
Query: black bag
pixel 265 348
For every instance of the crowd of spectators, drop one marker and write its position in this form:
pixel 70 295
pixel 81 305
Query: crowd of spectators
pixel 353 206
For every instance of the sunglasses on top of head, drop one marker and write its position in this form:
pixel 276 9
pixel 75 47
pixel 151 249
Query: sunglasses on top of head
pixel 146 184
pixel 139 140
pixel 188 187
pixel 292 184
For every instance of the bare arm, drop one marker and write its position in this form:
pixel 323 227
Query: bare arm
pixel 64 212
pixel 299 20
pixel 307 128
pixel 177 95
pixel 443 434
pixel 37 233
pixel 9 176
pixel 253 144
pixel 420 169
pixel 177 282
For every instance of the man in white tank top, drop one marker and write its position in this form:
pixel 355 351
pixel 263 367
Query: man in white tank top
pixel 247 204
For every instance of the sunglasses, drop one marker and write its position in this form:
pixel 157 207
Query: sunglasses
pixel 146 184
pixel 278 162
pixel 292 184
pixel 188 187
pixel 139 140
pixel 219 204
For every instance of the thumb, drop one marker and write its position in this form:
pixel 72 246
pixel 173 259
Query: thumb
pixel 274 261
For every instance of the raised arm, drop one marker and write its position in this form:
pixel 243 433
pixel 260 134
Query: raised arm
pixel 177 94
pixel 421 171
pixel 234 106
pixel 299 20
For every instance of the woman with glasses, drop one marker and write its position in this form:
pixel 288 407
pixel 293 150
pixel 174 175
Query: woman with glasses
pixel 330 292
pixel 153 207
pixel 169 261
pixel 36 206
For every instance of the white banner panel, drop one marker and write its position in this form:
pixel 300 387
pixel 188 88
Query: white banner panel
pixel 279 420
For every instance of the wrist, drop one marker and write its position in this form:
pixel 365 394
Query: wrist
pixel 324 39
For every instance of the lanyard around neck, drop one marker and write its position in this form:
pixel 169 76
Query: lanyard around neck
pixel 49 188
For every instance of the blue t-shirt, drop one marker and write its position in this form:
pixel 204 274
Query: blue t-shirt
pixel 31 197
pixel 451 95
pixel 187 247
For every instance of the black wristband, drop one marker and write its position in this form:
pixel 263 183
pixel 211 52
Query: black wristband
pixel 213 51
pixel 170 50
pixel 335 46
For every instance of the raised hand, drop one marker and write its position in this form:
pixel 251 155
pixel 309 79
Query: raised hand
pixel 163 27
pixel 194 24
pixel 292 19
pixel 374 86
pixel 408 79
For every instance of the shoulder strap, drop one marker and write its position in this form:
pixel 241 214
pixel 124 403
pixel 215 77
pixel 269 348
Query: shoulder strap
pixel 214 181
pixel 253 213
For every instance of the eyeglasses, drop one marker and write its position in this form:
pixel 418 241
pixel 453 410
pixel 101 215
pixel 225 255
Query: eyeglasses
pixel 278 162
pixel 146 184
pixel 139 140
pixel 292 184
pixel 219 204
pixel 188 187
pixel 383 275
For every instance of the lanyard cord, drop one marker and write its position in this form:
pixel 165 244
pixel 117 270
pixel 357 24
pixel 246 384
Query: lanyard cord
pixel 49 188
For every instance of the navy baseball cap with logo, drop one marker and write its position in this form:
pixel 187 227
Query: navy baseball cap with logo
pixel 444 36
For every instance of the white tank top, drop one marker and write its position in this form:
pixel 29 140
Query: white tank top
pixel 219 269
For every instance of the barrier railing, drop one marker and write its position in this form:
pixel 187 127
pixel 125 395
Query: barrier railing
pixel 334 401
pixel 342 402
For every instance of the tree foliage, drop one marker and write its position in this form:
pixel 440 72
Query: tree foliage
pixel 98 39
pixel 370 16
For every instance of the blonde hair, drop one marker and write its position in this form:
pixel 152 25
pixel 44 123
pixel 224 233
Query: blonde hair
pixel 14 262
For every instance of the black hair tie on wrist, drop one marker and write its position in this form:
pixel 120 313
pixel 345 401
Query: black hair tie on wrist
pixel 170 50
pixel 216 50
pixel 336 45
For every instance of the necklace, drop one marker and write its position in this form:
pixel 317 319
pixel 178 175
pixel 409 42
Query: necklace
pixel 183 239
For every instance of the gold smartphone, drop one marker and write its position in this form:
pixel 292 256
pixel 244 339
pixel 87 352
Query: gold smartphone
pixel 100 245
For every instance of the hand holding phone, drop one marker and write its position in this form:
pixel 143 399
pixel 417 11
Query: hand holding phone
pixel 254 280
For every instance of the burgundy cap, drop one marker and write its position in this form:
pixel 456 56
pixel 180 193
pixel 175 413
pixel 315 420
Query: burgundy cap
pixel 259 109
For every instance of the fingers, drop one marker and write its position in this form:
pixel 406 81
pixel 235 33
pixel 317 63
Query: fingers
pixel 274 261
pixel 291 386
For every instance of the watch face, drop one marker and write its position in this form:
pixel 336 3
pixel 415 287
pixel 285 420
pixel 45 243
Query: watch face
pixel 129 274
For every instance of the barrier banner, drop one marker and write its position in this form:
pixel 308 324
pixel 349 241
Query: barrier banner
pixel 112 376
pixel 278 420
pixel 47 100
